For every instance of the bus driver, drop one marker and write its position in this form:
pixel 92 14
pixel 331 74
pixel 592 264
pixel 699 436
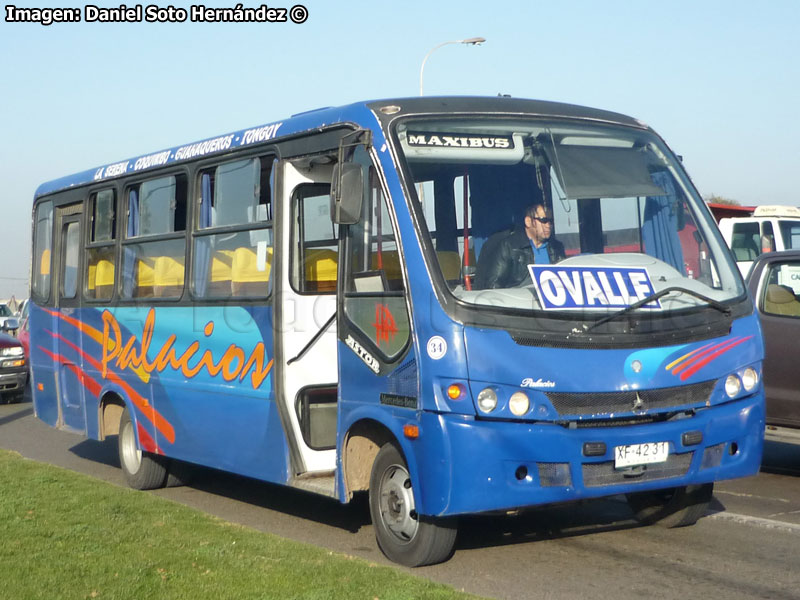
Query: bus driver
pixel 504 261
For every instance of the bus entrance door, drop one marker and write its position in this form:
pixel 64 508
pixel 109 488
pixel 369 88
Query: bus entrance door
pixel 308 372
pixel 67 346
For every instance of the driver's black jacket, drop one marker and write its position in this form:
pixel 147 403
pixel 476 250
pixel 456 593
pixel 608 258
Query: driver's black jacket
pixel 504 259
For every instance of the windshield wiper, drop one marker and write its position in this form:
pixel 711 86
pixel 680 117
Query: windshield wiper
pixel 660 294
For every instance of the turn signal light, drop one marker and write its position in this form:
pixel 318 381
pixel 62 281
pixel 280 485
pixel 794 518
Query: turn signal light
pixel 455 391
pixel 411 431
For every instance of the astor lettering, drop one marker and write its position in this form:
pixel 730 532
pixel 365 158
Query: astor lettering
pixel 368 359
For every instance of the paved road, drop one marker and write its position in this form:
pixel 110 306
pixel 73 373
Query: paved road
pixel 746 548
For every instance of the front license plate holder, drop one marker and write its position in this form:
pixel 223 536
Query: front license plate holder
pixel 640 454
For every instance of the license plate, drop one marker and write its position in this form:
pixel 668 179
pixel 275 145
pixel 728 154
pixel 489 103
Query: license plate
pixel 640 454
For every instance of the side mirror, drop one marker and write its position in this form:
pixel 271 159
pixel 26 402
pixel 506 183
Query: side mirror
pixel 347 191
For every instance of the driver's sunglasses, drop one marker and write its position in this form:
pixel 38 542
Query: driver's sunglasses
pixel 544 220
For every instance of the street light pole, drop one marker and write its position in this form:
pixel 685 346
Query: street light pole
pixel 475 41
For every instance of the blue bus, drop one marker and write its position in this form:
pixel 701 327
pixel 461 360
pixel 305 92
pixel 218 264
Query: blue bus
pixel 455 305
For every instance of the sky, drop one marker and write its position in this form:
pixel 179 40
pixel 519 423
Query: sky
pixel 719 80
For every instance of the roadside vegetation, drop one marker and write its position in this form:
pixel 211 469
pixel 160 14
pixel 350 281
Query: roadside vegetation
pixel 65 535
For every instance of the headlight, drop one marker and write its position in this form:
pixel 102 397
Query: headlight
pixel 732 386
pixel 487 400
pixel 11 351
pixel 749 378
pixel 519 404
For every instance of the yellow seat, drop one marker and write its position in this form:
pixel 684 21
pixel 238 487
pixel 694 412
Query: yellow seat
pixel 246 278
pixel 44 267
pixel 168 275
pixel 101 279
pixel 222 265
pixel 320 270
pixel 221 274
pixel 144 278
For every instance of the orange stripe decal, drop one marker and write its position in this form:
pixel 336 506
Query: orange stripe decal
pixel 680 358
pixel 140 401
pixel 97 336
pixel 86 380
pixel 696 367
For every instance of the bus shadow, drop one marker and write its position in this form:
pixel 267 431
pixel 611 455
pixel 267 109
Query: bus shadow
pixel 476 531
pixel 15 416
pixel 781 458
pixel 279 498
pixel 100 452
pixel 546 523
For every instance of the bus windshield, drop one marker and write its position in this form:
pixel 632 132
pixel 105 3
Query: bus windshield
pixel 603 213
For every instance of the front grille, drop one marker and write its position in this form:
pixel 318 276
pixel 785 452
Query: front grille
pixel 554 474
pixel 604 473
pixel 712 456
pixel 608 403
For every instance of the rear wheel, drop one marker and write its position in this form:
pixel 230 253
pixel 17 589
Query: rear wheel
pixel 673 507
pixel 142 470
pixel 402 535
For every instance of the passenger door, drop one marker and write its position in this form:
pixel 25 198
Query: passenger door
pixel 305 310
pixel 68 344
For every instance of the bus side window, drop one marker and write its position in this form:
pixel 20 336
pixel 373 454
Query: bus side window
pixel 101 253
pixel 315 243
pixel 233 244
pixel 71 249
pixel 156 207
pixel 42 251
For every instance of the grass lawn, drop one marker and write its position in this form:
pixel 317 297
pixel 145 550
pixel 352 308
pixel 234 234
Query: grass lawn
pixel 64 535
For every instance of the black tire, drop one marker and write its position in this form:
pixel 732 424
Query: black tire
pixel 673 507
pixel 402 535
pixel 142 470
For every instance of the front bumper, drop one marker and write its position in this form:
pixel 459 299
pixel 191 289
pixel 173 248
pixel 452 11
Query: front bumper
pixel 487 465
pixel 13 381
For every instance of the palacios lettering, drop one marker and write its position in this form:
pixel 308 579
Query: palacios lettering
pixel 235 363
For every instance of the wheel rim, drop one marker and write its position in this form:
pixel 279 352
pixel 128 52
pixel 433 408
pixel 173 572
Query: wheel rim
pixel 131 455
pixel 397 508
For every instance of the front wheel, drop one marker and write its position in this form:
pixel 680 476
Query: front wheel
pixel 673 507
pixel 142 470
pixel 403 536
